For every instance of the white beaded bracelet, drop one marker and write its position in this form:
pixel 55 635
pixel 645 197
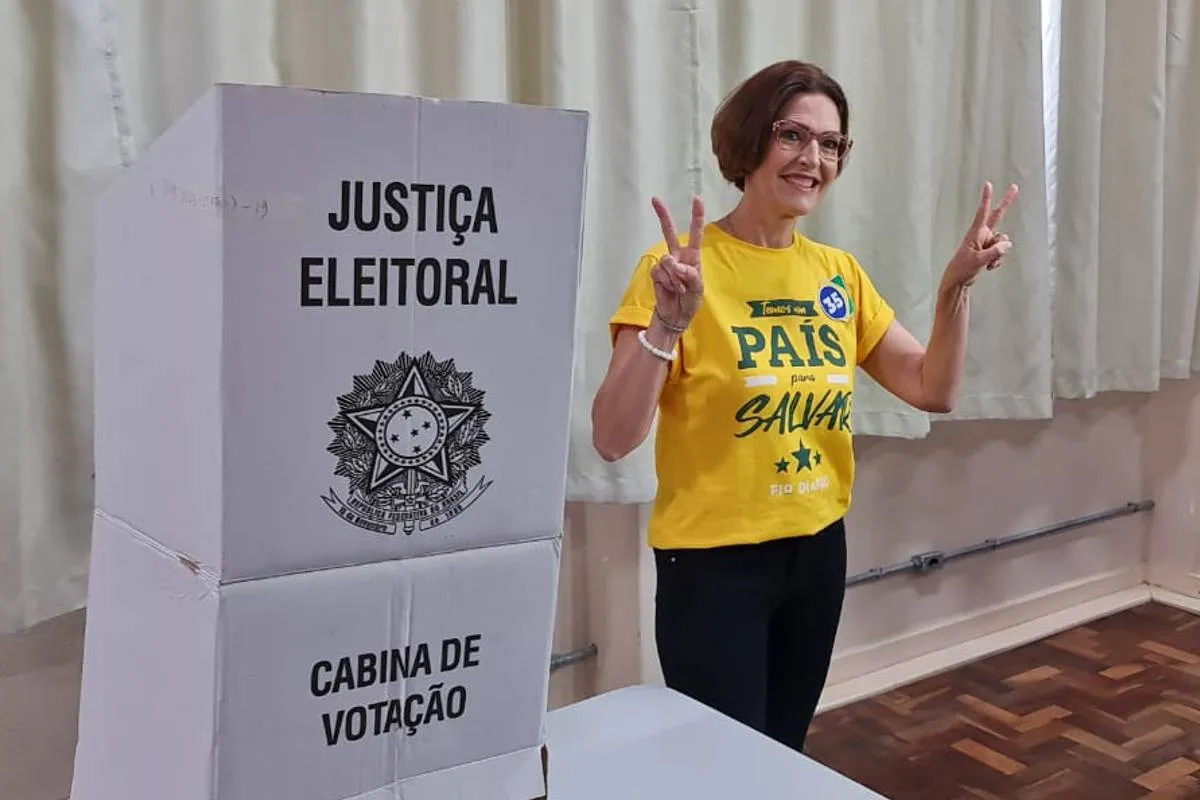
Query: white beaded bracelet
pixel 663 354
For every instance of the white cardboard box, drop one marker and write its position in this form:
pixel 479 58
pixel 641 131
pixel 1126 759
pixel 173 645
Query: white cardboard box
pixel 281 386
pixel 303 456
pixel 315 686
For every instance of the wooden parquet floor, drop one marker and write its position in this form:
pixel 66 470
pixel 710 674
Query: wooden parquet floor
pixel 1110 710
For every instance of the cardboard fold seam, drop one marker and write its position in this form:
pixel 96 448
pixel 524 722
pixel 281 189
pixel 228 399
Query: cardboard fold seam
pixel 412 241
pixel 427 786
pixel 403 688
pixel 207 576
pixel 218 687
pixel 539 535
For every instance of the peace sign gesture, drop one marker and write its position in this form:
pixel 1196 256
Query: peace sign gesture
pixel 678 286
pixel 983 246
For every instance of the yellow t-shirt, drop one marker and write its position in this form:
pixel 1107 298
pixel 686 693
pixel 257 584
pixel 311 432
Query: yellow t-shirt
pixel 754 436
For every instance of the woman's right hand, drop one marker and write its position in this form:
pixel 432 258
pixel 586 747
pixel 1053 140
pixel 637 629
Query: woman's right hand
pixel 624 407
pixel 678 282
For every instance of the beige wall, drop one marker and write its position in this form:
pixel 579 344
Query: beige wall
pixel 1171 448
pixel 968 481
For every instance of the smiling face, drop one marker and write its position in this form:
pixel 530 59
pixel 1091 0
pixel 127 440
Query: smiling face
pixel 782 137
pixel 802 157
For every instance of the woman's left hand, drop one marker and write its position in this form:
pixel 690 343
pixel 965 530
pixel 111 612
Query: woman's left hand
pixel 984 246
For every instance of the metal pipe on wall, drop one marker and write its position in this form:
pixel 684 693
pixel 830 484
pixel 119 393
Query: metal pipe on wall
pixel 560 660
pixel 935 559
pixel 926 562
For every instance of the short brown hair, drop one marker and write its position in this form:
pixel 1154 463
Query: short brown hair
pixel 741 126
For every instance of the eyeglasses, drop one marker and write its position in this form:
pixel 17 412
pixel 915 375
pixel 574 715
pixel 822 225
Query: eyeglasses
pixel 832 145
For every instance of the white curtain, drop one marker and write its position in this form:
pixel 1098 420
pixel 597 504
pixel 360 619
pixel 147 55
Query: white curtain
pixel 945 94
pixel 1128 222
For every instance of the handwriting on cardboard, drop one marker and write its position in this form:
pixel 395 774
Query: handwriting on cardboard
pixel 216 201
pixel 412 708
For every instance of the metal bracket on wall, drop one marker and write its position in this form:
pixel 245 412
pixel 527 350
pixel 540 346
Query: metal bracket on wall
pixel 560 660
pixel 927 562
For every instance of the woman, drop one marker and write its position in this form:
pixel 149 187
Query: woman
pixel 744 336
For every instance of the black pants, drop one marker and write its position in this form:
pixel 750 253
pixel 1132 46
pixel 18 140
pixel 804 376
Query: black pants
pixel 749 629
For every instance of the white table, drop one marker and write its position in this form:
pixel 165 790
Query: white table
pixel 654 743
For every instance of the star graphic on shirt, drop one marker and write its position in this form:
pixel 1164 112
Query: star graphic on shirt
pixel 805 457
pixel 781 465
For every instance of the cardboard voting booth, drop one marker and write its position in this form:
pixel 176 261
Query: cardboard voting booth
pixel 333 344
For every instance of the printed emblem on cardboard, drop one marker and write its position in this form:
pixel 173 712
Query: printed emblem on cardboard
pixel 406 440
pixel 835 300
